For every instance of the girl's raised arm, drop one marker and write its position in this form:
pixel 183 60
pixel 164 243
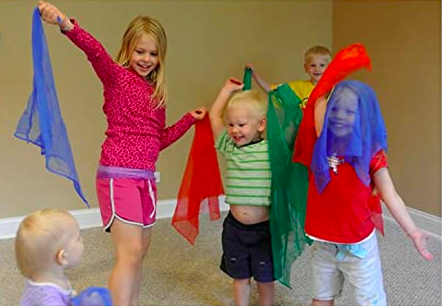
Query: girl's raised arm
pixel 398 210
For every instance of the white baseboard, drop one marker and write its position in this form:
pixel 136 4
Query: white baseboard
pixel 88 218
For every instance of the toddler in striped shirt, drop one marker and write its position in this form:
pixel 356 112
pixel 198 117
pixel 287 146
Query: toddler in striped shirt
pixel 238 120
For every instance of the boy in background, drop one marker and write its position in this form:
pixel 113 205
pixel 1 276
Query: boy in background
pixel 316 60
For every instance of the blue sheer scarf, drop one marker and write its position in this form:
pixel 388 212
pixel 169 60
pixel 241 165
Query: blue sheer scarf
pixel 41 123
pixel 93 296
pixel 354 130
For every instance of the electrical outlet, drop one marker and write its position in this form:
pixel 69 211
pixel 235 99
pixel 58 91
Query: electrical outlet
pixel 157 177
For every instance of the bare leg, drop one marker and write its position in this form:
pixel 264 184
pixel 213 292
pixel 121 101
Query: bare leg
pixel 266 293
pixel 323 303
pixel 128 248
pixel 241 289
pixel 137 283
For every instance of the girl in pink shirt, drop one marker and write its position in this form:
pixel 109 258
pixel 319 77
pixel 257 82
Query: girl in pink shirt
pixel 134 103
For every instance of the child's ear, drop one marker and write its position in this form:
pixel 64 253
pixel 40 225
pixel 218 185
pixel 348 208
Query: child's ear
pixel 262 124
pixel 61 257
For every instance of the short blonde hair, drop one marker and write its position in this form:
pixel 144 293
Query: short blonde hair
pixel 317 50
pixel 251 98
pixel 137 27
pixel 39 238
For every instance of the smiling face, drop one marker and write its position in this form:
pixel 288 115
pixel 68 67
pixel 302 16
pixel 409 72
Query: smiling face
pixel 315 66
pixel 144 58
pixel 244 126
pixel 343 113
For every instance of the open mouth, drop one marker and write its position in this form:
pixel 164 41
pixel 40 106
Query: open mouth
pixel 339 125
pixel 144 68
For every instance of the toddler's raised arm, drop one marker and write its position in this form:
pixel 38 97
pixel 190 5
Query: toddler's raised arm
pixel 216 111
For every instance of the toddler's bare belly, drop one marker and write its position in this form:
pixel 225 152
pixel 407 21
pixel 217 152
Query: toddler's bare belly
pixel 250 214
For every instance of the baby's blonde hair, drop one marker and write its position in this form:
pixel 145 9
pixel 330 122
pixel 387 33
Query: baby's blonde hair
pixel 38 239
pixel 317 50
pixel 137 27
pixel 252 99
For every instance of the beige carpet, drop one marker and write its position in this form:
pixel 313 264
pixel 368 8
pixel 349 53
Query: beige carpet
pixel 176 273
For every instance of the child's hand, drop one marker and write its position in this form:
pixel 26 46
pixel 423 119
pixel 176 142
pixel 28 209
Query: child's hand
pixel 250 66
pixel 419 239
pixel 232 85
pixel 93 299
pixel 52 15
pixel 199 113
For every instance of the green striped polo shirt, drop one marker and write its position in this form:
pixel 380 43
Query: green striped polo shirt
pixel 248 171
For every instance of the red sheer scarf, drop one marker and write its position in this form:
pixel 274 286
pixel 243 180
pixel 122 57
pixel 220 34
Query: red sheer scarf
pixel 201 184
pixel 375 201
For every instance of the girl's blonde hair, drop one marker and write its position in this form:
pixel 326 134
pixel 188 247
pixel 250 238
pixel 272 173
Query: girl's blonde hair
pixel 39 238
pixel 137 27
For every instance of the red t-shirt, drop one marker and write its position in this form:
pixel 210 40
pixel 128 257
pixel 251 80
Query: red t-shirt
pixel 344 211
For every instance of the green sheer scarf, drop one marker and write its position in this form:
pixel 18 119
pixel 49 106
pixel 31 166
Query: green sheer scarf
pixel 289 180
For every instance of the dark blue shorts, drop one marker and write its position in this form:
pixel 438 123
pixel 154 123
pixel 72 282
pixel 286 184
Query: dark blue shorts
pixel 247 250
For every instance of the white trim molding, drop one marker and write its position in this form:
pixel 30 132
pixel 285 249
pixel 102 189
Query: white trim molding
pixel 88 218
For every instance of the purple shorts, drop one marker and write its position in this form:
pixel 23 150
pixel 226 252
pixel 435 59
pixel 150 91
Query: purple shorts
pixel 132 201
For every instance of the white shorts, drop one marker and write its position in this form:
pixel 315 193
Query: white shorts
pixel 364 276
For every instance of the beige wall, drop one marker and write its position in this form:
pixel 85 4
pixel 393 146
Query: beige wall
pixel 403 39
pixel 208 42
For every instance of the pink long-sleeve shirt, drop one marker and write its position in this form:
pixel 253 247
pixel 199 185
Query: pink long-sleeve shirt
pixel 136 131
